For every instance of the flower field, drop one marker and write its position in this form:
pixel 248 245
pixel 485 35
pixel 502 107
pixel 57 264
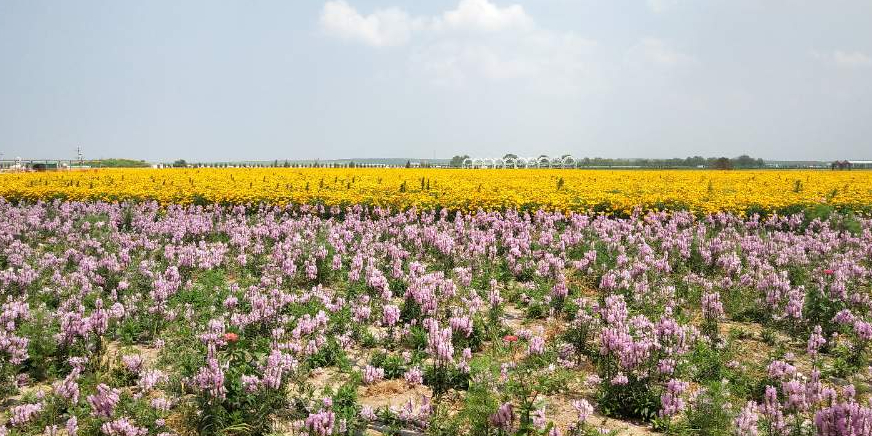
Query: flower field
pixel 611 191
pixel 440 302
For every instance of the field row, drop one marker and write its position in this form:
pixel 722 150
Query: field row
pixel 608 191
pixel 132 319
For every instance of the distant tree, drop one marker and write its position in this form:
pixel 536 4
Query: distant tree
pixel 408 164
pixel 695 161
pixel 510 156
pixel 117 163
pixel 180 164
pixel 676 162
pixel 457 161
pixel 722 163
pixel 744 161
pixel 351 164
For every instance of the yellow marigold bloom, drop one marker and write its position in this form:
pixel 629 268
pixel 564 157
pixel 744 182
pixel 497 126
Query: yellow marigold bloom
pixel 599 191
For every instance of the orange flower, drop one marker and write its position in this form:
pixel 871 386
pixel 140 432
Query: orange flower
pixel 231 337
pixel 510 338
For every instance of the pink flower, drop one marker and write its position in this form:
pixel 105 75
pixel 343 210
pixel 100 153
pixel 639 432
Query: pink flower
pixel 503 417
pixel 583 408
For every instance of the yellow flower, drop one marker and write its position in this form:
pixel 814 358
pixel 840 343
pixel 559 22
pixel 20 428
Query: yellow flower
pixel 600 191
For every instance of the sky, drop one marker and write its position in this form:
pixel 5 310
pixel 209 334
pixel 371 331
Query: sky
pixel 214 80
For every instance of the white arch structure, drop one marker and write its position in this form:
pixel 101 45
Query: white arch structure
pixel 541 161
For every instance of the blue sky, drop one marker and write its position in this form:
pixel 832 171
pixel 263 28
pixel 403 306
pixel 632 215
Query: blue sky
pixel 220 80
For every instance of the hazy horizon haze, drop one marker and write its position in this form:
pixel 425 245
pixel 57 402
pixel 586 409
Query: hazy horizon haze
pixel 220 80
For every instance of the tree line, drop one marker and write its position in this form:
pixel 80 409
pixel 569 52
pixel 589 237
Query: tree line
pixel 742 162
pixel 724 163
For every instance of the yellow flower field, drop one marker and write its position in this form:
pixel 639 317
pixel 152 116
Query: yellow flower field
pixel 456 189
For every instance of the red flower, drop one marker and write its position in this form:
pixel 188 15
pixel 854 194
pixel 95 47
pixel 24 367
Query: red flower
pixel 510 338
pixel 829 272
pixel 231 337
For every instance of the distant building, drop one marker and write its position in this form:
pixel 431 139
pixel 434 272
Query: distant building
pixel 861 164
pixel 841 165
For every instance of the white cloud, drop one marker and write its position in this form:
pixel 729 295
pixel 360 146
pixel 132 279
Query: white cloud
pixel 656 52
pixel 544 57
pixel 477 39
pixel 394 27
pixel 659 6
pixel 553 62
pixel 852 59
pixel 844 59
pixel 388 27
pixel 482 15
